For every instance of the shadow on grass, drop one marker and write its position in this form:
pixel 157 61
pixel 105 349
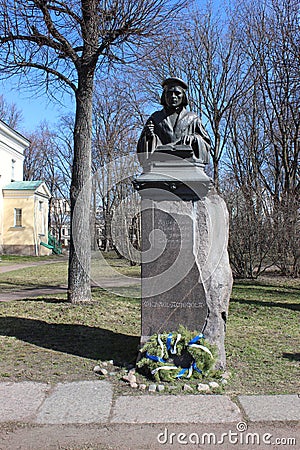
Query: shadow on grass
pixel 48 299
pixel 80 340
pixel 292 306
pixel 291 356
pixel 269 289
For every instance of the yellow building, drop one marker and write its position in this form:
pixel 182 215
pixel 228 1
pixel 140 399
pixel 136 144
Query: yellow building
pixel 24 205
pixel 25 218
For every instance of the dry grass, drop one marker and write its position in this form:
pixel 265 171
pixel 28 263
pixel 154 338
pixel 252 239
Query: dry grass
pixel 50 340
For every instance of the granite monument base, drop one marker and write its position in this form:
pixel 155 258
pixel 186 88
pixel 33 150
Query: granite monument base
pixel 186 276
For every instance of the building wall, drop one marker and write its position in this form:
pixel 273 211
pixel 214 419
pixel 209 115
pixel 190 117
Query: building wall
pixel 12 146
pixel 41 208
pixel 25 240
pixel 15 238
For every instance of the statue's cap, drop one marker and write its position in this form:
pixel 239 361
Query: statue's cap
pixel 175 82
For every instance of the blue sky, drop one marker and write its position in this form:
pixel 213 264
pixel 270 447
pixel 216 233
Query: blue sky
pixel 35 108
pixel 38 108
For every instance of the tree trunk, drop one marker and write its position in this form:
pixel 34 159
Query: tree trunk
pixel 216 174
pixel 79 288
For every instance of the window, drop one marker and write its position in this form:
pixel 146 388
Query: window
pixel 41 206
pixel 18 217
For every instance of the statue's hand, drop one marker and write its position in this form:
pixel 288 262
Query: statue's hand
pixel 149 129
pixel 187 140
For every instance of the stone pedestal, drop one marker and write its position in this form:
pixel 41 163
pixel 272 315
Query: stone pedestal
pixel 186 277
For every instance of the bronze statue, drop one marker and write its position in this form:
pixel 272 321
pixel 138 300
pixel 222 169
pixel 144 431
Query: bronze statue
pixel 173 129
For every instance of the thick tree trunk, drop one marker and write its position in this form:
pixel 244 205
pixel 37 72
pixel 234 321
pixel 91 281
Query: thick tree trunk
pixel 79 288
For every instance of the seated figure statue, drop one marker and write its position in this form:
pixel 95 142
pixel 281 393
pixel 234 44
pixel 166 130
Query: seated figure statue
pixel 174 129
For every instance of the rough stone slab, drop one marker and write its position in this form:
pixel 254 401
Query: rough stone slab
pixel 78 402
pixel 186 275
pixel 175 409
pixel 20 401
pixel 271 407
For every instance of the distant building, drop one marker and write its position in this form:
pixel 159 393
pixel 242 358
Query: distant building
pixel 60 220
pixel 24 205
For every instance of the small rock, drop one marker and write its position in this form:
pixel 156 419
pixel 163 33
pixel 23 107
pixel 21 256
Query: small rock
pixel 160 387
pixel 152 388
pixel 142 387
pixel 187 388
pixel 214 385
pixel 111 361
pixel 100 371
pixel 134 385
pixel 112 374
pixel 224 381
pixel 131 371
pixel 203 387
pixel 131 378
pixel 226 375
pixel 104 364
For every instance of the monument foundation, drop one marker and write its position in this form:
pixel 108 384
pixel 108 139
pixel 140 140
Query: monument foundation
pixel 186 277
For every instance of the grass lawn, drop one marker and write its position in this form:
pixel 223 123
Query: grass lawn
pixel 8 260
pixel 263 335
pixel 50 340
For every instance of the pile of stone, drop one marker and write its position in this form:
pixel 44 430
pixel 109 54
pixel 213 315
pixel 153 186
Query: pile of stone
pixel 130 379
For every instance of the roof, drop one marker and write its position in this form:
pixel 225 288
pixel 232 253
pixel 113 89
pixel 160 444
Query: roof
pixel 23 185
pixel 5 128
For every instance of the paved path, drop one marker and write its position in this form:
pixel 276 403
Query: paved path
pixel 74 415
pixel 115 283
pixel 11 267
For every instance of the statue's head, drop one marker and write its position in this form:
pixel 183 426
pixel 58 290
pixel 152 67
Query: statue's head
pixel 174 84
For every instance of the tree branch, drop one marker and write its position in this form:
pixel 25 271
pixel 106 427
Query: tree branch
pixel 49 70
pixel 66 48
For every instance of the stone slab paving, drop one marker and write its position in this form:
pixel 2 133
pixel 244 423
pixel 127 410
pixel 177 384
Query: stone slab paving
pixel 20 401
pixel 91 402
pixel 271 407
pixel 78 402
pixel 175 409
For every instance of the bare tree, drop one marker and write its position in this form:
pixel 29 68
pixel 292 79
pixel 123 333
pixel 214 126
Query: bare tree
pixel 9 113
pixel 264 142
pixel 218 74
pixel 115 134
pixel 47 159
pixel 65 43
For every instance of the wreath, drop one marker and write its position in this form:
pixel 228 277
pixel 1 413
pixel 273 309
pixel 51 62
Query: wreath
pixel 183 354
